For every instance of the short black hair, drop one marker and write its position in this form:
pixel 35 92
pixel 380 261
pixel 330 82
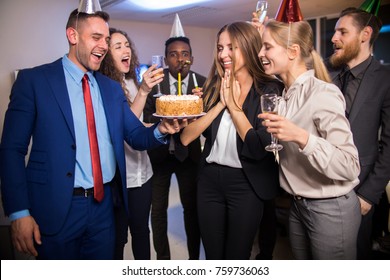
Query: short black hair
pixel 175 39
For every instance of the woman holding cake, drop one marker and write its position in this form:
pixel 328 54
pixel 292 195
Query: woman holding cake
pixel 236 173
pixel 120 64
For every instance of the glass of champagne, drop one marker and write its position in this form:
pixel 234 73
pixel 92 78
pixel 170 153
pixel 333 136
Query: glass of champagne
pixel 269 104
pixel 159 60
pixel 261 10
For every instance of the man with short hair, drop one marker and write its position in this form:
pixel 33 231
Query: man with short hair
pixel 365 84
pixel 61 204
pixel 183 161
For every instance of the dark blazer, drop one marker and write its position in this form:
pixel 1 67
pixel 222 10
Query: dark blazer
pixel 369 113
pixel 40 110
pixel 159 154
pixel 259 166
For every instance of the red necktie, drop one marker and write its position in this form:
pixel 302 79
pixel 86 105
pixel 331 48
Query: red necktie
pixel 93 142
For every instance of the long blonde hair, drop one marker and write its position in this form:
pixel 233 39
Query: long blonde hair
pixel 300 33
pixel 245 37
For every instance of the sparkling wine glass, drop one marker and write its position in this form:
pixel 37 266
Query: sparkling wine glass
pixel 159 60
pixel 269 104
pixel 261 10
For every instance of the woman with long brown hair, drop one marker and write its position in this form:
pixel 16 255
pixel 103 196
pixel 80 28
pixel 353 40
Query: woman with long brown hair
pixel 120 64
pixel 236 173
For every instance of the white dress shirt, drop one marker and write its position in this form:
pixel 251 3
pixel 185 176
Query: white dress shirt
pixel 224 149
pixel 184 85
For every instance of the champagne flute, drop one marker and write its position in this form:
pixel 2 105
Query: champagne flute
pixel 261 10
pixel 269 104
pixel 159 60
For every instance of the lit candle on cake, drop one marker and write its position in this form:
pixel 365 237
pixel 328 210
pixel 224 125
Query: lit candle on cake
pixel 179 84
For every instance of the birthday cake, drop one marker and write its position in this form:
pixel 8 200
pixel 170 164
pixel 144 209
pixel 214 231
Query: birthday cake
pixel 183 105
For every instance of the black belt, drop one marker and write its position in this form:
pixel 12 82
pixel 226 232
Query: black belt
pixel 298 197
pixel 83 192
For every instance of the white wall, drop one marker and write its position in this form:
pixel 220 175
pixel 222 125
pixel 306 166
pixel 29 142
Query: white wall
pixel 33 33
pixel 150 39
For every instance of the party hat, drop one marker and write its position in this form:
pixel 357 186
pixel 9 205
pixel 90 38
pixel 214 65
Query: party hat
pixel 371 6
pixel 177 29
pixel 89 6
pixel 289 11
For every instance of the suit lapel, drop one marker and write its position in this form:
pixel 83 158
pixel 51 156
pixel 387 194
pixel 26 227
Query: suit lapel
pixel 190 83
pixel 364 91
pixel 334 74
pixel 215 125
pixel 56 78
pixel 165 88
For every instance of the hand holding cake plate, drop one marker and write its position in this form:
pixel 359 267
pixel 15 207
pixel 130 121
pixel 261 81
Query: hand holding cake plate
pixel 180 117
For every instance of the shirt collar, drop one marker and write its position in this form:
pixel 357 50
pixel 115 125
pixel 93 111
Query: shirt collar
pixel 298 83
pixel 355 71
pixel 75 72
pixel 172 80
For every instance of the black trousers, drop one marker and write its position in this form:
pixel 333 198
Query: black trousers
pixel 137 220
pixel 229 212
pixel 186 177
pixel 364 240
pixel 267 231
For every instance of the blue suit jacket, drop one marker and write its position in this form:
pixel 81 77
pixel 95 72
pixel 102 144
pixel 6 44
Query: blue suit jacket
pixel 40 110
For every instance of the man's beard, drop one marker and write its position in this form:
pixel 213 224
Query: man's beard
pixel 350 51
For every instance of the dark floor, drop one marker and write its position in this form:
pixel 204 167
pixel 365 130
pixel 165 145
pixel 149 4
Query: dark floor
pixel 177 238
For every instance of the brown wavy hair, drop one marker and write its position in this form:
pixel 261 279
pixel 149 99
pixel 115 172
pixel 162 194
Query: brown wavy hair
pixel 245 37
pixel 108 68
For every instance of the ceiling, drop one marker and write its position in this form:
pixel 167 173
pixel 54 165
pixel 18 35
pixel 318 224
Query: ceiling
pixel 216 13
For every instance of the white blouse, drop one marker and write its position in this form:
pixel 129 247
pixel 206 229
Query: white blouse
pixel 138 166
pixel 224 149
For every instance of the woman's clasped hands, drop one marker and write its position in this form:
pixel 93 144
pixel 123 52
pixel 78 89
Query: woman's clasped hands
pixel 230 92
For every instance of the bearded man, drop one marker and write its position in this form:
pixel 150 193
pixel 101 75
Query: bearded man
pixel 365 84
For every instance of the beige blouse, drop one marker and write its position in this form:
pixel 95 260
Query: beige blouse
pixel 328 166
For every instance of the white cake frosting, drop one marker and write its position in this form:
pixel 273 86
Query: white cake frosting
pixel 176 97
